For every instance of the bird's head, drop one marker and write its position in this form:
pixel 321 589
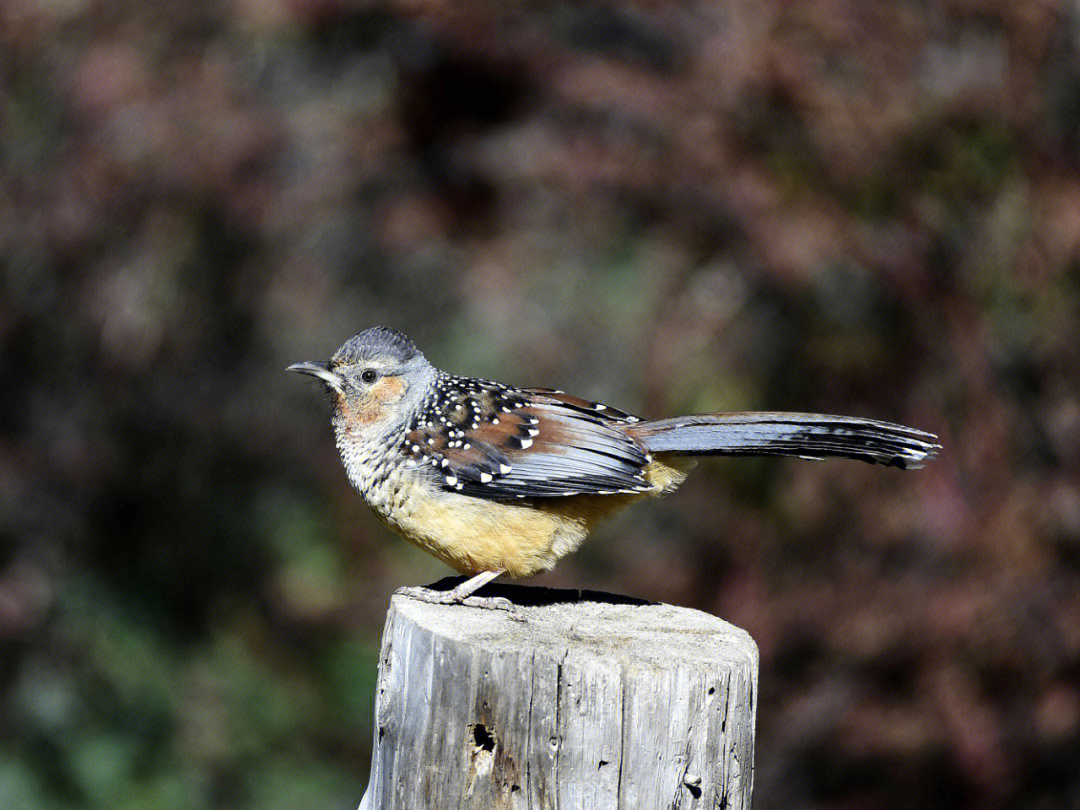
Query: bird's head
pixel 376 379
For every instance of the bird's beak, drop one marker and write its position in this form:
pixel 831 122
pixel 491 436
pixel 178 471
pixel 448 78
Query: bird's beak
pixel 317 369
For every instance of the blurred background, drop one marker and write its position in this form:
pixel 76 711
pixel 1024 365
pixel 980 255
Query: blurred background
pixel 851 206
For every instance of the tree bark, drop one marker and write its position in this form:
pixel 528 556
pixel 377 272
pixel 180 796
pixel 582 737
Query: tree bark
pixel 587 701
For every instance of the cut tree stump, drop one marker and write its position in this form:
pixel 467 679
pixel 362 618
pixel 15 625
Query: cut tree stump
pixel 583 700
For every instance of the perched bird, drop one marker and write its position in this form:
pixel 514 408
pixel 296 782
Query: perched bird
pixel 495 479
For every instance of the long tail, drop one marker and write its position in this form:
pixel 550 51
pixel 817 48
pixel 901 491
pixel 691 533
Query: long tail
pixel 807 435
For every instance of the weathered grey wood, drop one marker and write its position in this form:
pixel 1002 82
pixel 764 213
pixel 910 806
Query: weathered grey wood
pixel 591 702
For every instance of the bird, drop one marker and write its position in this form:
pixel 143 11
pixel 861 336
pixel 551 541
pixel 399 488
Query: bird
pixel 495 479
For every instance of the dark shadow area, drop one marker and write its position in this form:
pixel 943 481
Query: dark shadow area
pixel 526 596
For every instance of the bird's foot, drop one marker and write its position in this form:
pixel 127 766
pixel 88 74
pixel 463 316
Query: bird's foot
pixel 462 594
pixel 449 598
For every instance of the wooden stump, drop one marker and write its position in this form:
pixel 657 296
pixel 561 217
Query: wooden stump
pixel 592 701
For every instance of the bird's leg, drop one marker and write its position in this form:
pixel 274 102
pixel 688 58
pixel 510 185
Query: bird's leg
pixel 470 586
pixel 463 594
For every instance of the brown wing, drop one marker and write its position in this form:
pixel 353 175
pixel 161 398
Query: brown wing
pixel 497 442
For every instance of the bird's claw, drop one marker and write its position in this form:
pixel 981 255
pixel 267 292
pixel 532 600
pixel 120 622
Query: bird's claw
pixel 433 597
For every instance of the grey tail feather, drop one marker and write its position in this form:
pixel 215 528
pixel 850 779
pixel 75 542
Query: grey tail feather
pixel 806 435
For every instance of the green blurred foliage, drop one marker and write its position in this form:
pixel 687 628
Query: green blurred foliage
pixel 863 207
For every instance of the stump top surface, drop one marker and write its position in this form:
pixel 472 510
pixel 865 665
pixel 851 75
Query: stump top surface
pixel 589 624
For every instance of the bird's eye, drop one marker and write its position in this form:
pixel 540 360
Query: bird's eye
pixel 369 375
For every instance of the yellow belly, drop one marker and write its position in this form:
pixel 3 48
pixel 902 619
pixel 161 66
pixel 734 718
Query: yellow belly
pixel 520 537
